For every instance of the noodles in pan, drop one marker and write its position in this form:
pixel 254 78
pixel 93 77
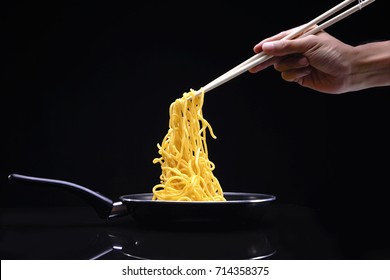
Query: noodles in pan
pixel 187 172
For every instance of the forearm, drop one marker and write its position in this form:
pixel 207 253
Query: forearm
pixel 370 66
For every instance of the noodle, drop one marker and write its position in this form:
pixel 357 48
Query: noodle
pixel 187 172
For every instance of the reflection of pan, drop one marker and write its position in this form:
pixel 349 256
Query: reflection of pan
pixel 239 207
pixel 190 245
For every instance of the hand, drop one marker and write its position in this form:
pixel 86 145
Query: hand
pixel 320 62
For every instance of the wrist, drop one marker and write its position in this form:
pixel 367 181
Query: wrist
pixel 370 66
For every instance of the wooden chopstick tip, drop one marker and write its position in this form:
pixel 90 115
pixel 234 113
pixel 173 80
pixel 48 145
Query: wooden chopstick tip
pixel 199 91
pixel 193 93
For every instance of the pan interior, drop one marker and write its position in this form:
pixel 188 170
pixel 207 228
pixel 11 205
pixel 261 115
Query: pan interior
pixel 231 197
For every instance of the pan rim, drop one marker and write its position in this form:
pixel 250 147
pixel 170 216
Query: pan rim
pixel 257 198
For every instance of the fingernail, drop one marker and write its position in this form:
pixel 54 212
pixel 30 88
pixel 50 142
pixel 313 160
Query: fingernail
pixel 303 61
pixel 268 46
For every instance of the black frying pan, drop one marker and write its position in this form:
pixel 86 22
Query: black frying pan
pixel 239 207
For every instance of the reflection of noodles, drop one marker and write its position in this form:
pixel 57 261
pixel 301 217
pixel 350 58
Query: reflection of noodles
pixel 187 173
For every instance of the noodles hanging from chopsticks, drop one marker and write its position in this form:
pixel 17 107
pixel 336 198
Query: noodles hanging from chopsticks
pixel 187 172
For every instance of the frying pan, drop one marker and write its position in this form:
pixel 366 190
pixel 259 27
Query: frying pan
pixel 239 207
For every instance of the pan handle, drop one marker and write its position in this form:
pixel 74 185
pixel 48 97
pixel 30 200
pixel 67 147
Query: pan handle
pixel 103 206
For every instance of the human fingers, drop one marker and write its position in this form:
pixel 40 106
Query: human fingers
pixel 286 47
pixel 258 47
pixel 282 63
pixel 264 65
pixel 291 62
pixel 296 75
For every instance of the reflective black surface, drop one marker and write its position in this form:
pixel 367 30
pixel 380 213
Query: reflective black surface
pixel 285 232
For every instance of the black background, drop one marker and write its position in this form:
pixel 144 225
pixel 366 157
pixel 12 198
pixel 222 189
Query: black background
pixel 86 87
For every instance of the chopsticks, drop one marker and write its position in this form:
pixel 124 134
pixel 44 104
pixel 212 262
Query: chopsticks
pixel 312 27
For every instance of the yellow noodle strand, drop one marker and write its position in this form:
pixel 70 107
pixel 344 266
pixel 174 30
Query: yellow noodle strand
pixel 186 171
